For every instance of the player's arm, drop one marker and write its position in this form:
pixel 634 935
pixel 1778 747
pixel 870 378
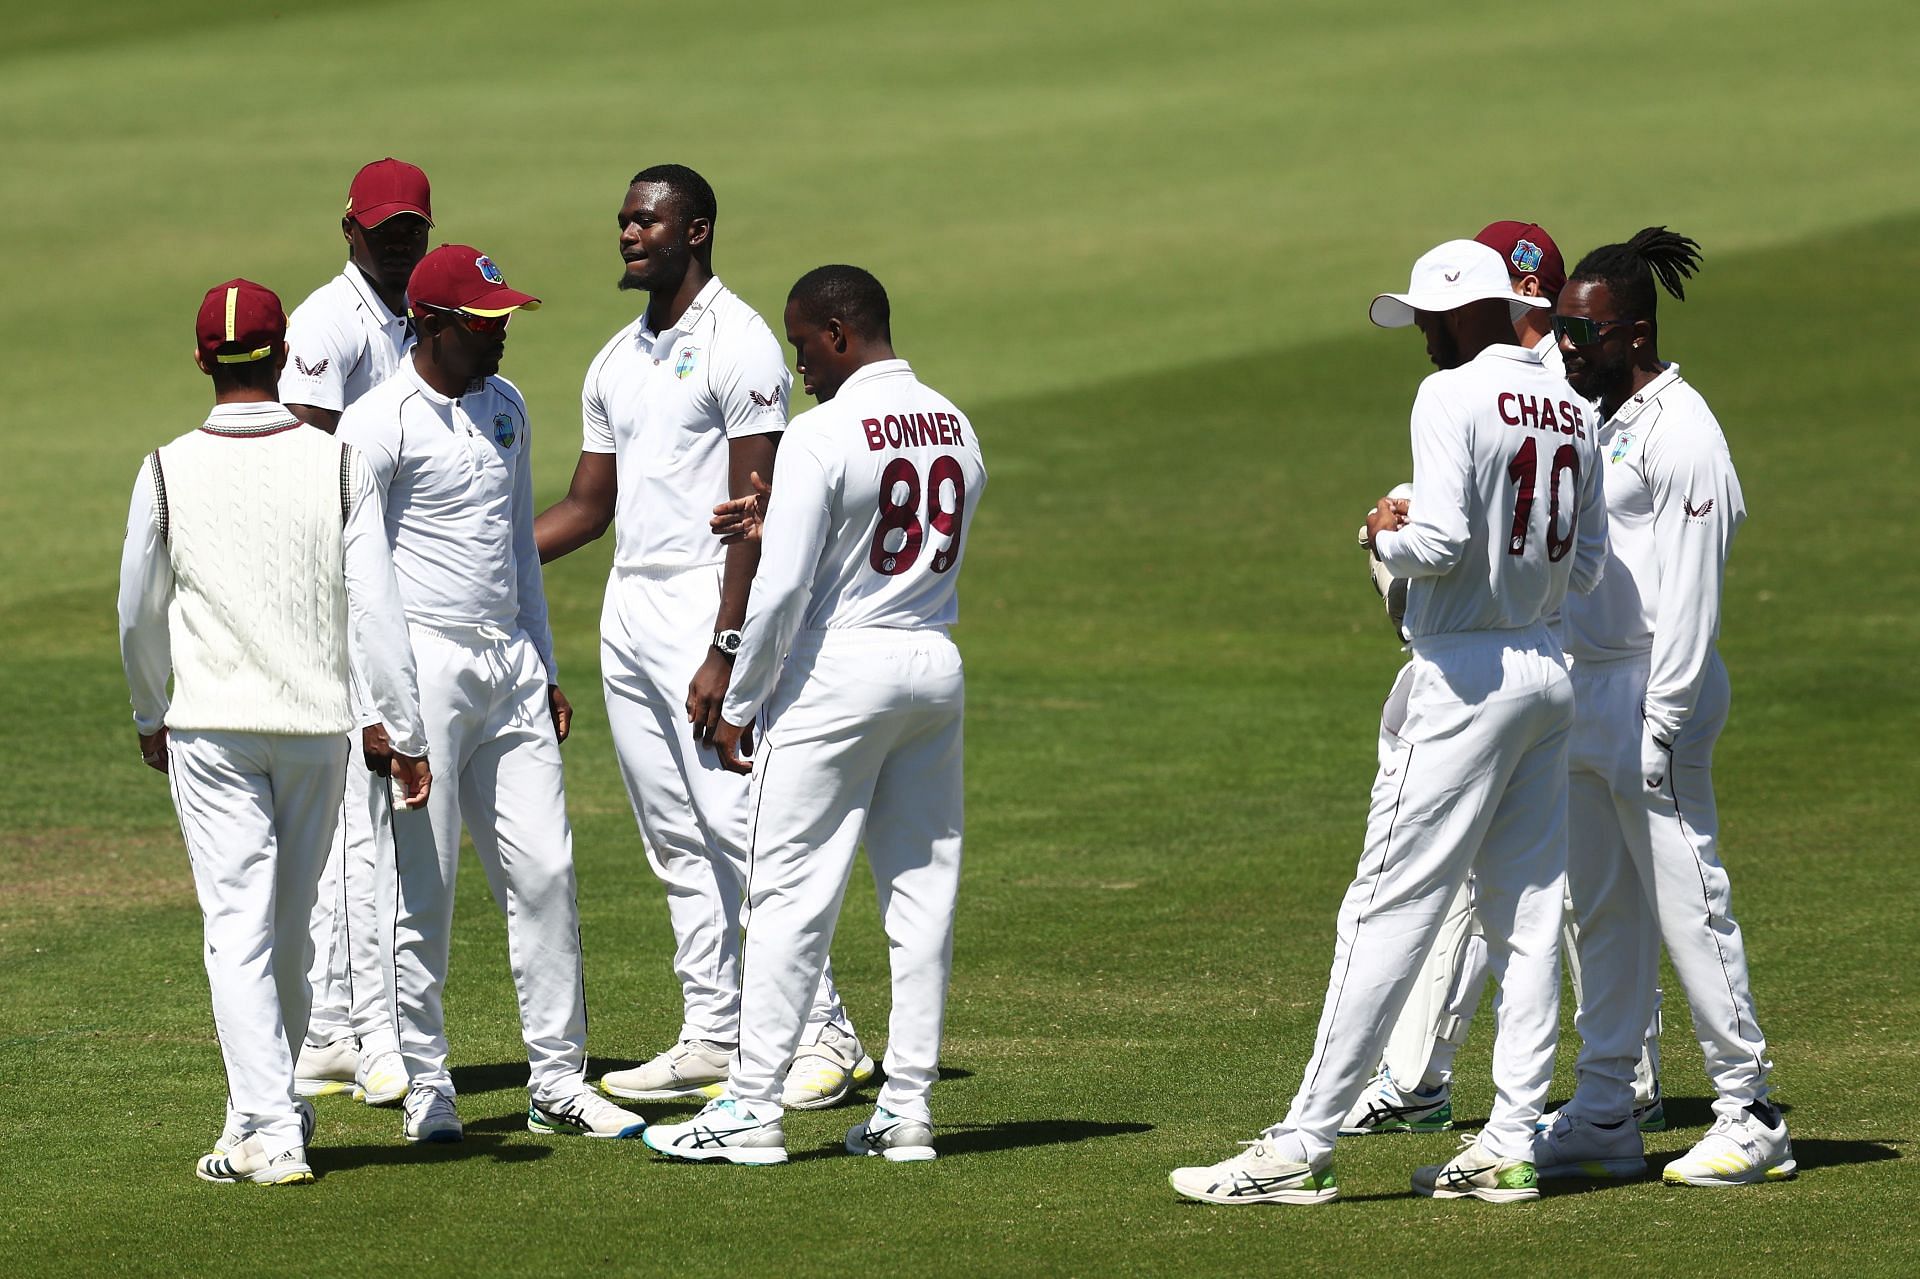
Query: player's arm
pixel 146 589
pixel 379 652
pixel 327 420
pixel 320 353
pixel 584 513
pixel 1590 534
pixel 530 590
pixel 1697 505
pixel 1435 534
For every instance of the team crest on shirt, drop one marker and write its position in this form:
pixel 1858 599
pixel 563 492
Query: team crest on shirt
pixel 503 429
pixel 689 356
pixel 488 271
pixel 1526 257
pixel 1620 446
pixel 304 369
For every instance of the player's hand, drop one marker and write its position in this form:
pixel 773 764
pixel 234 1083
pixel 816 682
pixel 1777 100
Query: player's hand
pixel 739 519
pixel 562 712
pixel 414 779
pixel 377 748
pixel 153 750
pixel 1386 516
pixel 734 743
pixel 1656 761
pixel 705 694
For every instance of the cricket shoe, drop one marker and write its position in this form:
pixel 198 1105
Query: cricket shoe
pixel 1737 1152
pixel 323 1071
pixel 233 1134
pixel 1256 1175
pixel 585 1113
pixel 1475 1174
pixel 691 1068
pixel 726 1129
pixel 1577 1147
pixel 893 1138
pixel 1387 1107
pixel 826 1071
pixel 430 1116
pixel 248 1161
pixel 380 1080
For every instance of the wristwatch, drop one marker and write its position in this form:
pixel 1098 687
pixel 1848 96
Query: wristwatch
pixel 728 642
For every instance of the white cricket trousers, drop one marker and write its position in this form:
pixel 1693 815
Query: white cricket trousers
pixel 257 812
pixel 1642 868
pixel 655 631
pixel 864 740
pixel 496 765
pixel 1472 778
pixel 352 971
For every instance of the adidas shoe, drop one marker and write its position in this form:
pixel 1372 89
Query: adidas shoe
pixel 1475 1174
pixel 1577 1147
pixel 380 1080
pixel 825 1071
pixel 894 1139
pixel 248 1161
pixel 322 1071
pixel 1256 1176
pixel 1386 1107
pixel 430 1116
pixel 233 1134
pixel 725 1129
pixel 585 1113
pixel 1737 1152
pixel 691 1068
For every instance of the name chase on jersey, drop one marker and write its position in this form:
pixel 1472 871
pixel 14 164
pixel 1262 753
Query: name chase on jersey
pixel 1519 409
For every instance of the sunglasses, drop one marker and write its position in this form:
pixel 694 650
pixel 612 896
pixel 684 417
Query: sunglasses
pixel 480 325
pixel 1577 330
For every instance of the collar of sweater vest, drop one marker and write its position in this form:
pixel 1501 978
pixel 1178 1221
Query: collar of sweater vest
pixel 242 421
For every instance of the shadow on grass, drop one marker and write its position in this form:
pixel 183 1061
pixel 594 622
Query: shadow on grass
pixel 479 1144
pixel 1682 1112
pixel 981 1139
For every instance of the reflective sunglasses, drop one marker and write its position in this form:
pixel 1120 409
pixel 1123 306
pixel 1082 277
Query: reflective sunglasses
pixel 1580 331
pixel 482 325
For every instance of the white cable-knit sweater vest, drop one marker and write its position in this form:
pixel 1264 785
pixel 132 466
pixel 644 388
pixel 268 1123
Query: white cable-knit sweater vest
pixel 258 624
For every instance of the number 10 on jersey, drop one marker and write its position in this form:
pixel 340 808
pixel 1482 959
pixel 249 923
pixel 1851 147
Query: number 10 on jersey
pixel 898 541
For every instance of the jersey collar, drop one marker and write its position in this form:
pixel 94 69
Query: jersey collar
pixel 1648 394
pixel 1510 351
pixel 878 369
pixel 701 304
pixel 364 287
pixel 260 417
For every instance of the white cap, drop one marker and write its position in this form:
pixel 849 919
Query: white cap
pixel 1447 278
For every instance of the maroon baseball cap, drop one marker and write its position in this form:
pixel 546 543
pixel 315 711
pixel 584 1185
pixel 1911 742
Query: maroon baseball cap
pixel 459 277
pixel 239 322
pixel 1528 250
pixel 385 188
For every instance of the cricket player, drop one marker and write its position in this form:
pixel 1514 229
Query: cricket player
pixel 1439 1012
pixel 1651 697
pixel 346 338
pixel 255 568
pixel 679 409
pixel 1506 513
pixel 447 440
pixel 847 653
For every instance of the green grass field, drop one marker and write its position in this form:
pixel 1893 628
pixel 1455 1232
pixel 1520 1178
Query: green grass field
pixel 1137 246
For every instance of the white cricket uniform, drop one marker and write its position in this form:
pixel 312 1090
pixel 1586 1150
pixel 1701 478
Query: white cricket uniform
pixel 1506 513
pixel 1643 866
pixel 459 492
pixel 666 406
pixel 341 343
pixel 255 570
pixel 860 563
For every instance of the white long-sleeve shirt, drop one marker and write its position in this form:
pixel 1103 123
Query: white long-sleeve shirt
pixel 458 484
pixel 866 525
pixel 1674 504
pixel 1507 510
pixel 254 605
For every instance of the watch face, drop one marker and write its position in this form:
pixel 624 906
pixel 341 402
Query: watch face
pixel 727 641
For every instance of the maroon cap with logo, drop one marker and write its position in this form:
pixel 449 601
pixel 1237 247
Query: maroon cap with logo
pixel 240 322
pixel 385 188
pixel 459 277
pixel 1527 249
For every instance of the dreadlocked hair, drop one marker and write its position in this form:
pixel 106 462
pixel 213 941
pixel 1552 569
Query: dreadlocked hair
pixel 1629 270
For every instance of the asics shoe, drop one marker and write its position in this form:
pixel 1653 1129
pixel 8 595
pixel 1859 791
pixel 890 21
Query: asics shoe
pixel 233 1134
pixel 1577 1147
pixel 1475 1174
pixel 1737 1152
pixel 586 1113
pixel 1257 1175
pixel 894 1139
pixel 430 1116
pixel 825 1071
pixel 1386 1107
pixel 380 1080
pixel 727 1130
pixel 691 1068
pixel 322 1071
pixel 248 1161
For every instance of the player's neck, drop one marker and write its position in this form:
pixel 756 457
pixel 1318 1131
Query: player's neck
pixel 1639 375
pixel 665 308
pixel 246 395
pixel 440 379
pixel 395 300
